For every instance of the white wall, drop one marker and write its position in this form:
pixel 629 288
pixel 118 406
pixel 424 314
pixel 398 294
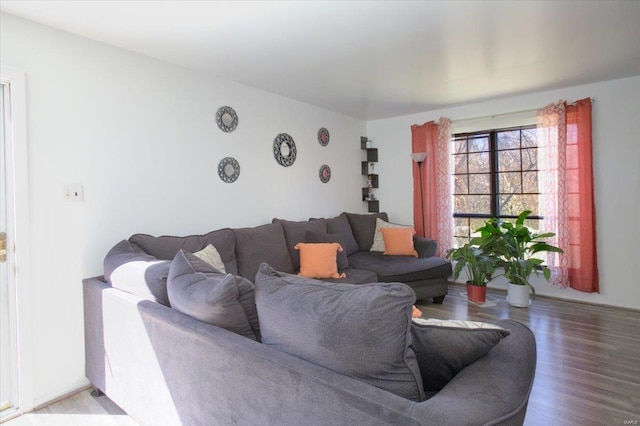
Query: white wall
pixel 616 157
pixel 141 137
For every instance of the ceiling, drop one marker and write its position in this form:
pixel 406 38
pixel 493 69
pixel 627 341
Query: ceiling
pixel 369 59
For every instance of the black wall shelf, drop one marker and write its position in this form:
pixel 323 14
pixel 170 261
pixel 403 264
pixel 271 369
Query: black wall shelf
pixel 373 205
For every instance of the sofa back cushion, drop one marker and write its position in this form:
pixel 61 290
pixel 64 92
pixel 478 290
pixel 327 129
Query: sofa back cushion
pixel 128 268
pixel 296 232
pixel 262 244
pixel 362 331
pixel 166 247
pixel 363 227
pixel 227 301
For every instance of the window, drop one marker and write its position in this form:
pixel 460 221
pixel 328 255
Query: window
pixel 495 174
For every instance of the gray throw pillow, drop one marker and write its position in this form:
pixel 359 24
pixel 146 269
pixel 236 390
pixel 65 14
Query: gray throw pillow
pixel 446 347
pixel 340 225
pixel 128 268
pixel 196 289
pixel 321 237
pixel 362 331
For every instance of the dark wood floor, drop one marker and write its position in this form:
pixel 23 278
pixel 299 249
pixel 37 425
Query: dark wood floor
pixel 588 369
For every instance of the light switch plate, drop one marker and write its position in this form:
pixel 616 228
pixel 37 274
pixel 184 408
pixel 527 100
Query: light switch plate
pixel 73 192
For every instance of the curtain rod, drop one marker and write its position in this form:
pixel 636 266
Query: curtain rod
pixel 505 114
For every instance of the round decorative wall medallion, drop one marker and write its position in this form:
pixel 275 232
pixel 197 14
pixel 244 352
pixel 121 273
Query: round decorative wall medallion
pixel 323 136
pixel 284 149
pixel 227 119
pixel 228 169
pixel 325 173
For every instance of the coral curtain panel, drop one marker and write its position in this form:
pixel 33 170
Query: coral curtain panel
pixel 566 186
pixel 434 139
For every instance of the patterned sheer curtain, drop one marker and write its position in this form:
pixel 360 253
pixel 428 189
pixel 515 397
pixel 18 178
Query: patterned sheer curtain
pixel 565 181
pixel 434 139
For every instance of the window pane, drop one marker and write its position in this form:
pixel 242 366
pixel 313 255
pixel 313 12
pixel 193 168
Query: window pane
pixel 480 184
pixel 460 146
pixel 509 140
pixel 534 224
pixel 461 227
pixel 529 138
pixel 459 242
pixel 509 183
pixel 461 184
pixel 460 163
pixel 479 163
pixel 530 182
pixel 479 144
pixel 530 159
pixel 475 224
pixel 509 160
pixel 514 204
pixel 480 204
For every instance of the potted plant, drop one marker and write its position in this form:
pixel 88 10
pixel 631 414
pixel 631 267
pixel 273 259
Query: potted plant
pixel 516 249
pixel 479 264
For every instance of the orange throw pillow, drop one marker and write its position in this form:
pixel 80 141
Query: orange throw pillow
pixel 319 260
pixel 399 241
pixel 416 313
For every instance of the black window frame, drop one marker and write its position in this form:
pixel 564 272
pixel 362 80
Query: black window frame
pixel 494 175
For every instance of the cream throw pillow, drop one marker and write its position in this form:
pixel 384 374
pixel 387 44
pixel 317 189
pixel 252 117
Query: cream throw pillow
pixel 210 255
pixel 378 240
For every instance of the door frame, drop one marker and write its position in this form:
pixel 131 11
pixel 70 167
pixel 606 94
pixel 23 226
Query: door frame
pixel 18 231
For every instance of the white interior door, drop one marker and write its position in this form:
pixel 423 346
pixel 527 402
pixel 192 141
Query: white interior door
pixel 16 343
pixel 8 338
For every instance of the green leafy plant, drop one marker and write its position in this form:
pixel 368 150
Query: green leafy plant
pixel 515 245
pixel 475 258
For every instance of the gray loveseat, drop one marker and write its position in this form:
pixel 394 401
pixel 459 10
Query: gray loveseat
pixel 164 367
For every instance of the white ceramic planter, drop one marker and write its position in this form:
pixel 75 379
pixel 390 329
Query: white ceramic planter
pixel 518 295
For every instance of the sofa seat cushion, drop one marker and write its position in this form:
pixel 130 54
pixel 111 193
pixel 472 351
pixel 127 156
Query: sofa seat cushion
pixel 197 289
pixel 400 268
pixel 128 268
pixel 354 276
pixel 166 247
pixel 362 331
pixel 262 244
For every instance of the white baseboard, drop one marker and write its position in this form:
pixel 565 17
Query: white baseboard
pixel 61 394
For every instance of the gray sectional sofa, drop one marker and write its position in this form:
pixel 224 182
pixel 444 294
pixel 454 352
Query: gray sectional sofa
pixel 329 354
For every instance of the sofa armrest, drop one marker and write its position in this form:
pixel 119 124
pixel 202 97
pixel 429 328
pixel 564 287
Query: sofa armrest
pixel 425 247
